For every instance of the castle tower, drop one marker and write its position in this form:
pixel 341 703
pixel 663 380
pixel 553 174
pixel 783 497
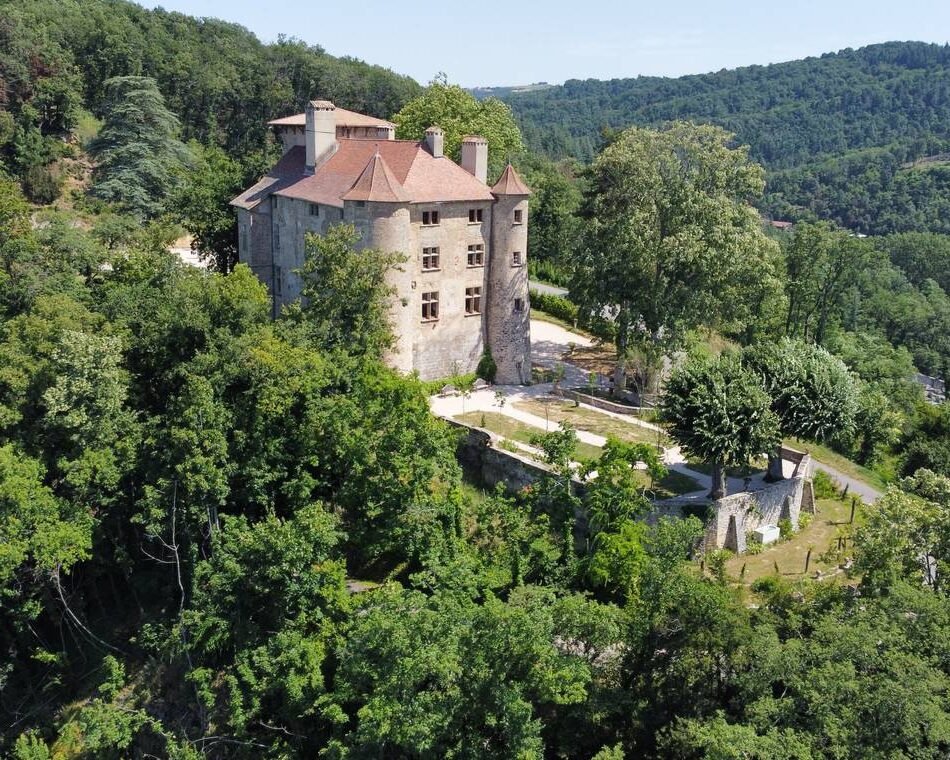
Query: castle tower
pixel 508 322
pixel 378 206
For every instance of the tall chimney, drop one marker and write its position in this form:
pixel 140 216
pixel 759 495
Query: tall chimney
pixel 321 131
pixel 475 157
pixel 435 141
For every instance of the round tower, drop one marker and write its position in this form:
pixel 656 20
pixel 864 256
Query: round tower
pixel 508 320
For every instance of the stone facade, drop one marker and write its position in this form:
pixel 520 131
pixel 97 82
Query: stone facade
pixel 465 244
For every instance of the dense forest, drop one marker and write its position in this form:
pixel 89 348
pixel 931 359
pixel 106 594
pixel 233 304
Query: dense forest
pixel 225 535
pixel 840 134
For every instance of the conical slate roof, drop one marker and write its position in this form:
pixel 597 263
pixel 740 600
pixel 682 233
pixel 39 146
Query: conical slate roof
pixel 509 183
pixel 377 183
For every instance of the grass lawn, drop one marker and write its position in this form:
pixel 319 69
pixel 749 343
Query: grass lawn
pixel 591 421
pixel 705 468
pixel 505 426
pixel 821 535
pixel 833 459
pixel 674 484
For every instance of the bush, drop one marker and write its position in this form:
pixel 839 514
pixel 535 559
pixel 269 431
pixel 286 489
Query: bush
pixel 459 381
pixel 487 369
pixel 825 486
pixel 556 306
pixel 785 528
pixel 804 520
pixel 548 271
pixel 700 510
pixel 752 544
pixel 42 184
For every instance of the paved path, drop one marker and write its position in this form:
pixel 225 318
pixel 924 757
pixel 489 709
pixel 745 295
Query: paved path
pixel 543 287
pixel 868 494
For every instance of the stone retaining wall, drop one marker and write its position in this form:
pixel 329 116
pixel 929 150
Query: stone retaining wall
pixel 600 403
pixel 738 514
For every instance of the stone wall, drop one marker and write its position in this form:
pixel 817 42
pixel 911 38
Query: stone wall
pixel 601 403
pixel 738 514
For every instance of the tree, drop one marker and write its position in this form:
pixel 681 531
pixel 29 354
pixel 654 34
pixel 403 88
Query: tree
pixel 820 263
pixel 458 113
pixel 719 412
pixel 670 239
pixel 138 156
pixel 200 203
pixel 346 298
pixel 813 395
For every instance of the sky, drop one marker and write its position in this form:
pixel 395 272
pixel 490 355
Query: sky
pixel 508 43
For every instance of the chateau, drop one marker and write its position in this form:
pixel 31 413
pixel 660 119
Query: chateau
pixel 463 289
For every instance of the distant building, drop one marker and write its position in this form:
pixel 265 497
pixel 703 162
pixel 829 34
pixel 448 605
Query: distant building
pixel 465 286
pixel 783 226
pixel 935 389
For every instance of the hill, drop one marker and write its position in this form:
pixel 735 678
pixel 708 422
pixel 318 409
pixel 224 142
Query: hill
pixel 836 132
pixel 220 80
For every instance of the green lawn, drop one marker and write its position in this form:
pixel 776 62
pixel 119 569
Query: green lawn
pixel 705 468
pixel 591 421
pixel 505 426
pixel 674 484
pixel 821 535
pixel 833 459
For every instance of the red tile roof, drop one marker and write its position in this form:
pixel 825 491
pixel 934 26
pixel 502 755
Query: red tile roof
pixel 344 118
pixel 509 183
pixel 424 179
pixel 377 183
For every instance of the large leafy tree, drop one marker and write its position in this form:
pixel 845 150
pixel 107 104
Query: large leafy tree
pixel 458 113
pixel 346 299
pixel 813 394
pixel 137 153
pixel 671 240
pixel 719 412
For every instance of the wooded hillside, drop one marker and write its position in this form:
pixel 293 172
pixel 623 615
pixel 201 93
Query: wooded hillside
pixel 838 133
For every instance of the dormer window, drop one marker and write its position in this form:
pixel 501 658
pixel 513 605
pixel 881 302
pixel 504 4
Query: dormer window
pixel 430 218
pixel 519 216
pixel 474 215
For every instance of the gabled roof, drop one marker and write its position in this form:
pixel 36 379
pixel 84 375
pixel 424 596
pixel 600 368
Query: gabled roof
pixel 509 183
pixel 344 118
pixel 377 183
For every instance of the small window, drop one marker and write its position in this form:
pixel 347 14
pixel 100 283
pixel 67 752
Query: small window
pixel 360 204
pixel 473 300
pixel 430 306
pixel 430 218
pixel 430 258
pixel 519 215
pixel 474 215
pixel 519 305
pixel 476 255
pixel 276 237
pixel 314 209
pixel 516 259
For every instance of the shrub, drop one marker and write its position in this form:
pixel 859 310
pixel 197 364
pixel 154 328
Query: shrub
pixel 716 561
pixel 804 520
pixel 825 486
pixel 487 369
pixel 700 510
pixel 752 544
pixel 785 528
pixel 556 306
pixel 42 184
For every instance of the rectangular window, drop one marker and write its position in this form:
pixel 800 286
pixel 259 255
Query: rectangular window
pixel 314 209
pixel 516 259
pixel 430 258
pixel 360 204
pixel 276 238
pixel 519 305
pixel 430 306
pixel 476 255
pixel 474 215
pixel 518 215
pixel 430 218
pixel 473 300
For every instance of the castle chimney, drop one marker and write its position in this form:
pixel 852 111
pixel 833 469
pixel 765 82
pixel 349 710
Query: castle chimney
pixel 321 131
pixel 435 141
pixel 475 157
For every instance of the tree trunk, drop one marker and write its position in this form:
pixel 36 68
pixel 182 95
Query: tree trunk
pixel 623 351
pixel 718 481
pixel 775 473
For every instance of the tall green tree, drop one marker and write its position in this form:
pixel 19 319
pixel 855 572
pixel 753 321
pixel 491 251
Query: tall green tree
pixel 670 240
pixel 458 113
pixel 137 152
pixel 719 412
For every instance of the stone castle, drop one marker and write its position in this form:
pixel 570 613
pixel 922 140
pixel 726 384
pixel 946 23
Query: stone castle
pixel 463 289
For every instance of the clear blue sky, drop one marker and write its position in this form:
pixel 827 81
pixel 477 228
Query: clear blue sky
pixel 499 43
